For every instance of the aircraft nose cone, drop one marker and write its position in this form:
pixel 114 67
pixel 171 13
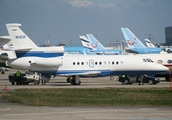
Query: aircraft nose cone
pixel 163 68
pixel 166 68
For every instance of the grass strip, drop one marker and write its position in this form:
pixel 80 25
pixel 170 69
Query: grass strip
pixel 91 96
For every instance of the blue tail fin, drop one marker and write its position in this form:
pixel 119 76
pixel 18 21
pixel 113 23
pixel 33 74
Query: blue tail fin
pixel 96 45
pixel 131 39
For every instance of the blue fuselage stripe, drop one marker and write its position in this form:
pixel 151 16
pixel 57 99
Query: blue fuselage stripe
pixel 102 74
pixel 38 54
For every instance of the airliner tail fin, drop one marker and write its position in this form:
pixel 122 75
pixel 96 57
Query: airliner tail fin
pixel 85 42
pixel 149 43
pixel 131 39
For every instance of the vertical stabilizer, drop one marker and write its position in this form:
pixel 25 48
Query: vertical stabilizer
pixel 131 39
pixel 95 44
pixel 85 42
pixel 149 44
pixel 18 37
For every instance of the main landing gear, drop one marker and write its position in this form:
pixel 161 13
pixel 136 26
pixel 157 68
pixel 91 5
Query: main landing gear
pixel 74 80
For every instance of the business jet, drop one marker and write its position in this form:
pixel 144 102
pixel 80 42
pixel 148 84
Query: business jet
pixel 74 66
pixel 135 45
pixel 91 42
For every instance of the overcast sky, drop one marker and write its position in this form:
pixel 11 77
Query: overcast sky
pixel 65 20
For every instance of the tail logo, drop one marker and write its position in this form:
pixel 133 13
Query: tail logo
pixel 131 44
pixel 94 46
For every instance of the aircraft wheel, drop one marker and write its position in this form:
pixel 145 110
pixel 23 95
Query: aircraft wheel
pixel 12 83
pixel 111 78
pixel 68 80
pixel 74 83
pixel 126 82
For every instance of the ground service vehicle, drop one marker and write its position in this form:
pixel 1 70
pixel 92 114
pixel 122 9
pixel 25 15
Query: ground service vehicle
pixel 141 79
pixel 25 79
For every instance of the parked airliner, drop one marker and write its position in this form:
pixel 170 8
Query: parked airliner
pixel 135 45
pixel 91 42
pixel 75 66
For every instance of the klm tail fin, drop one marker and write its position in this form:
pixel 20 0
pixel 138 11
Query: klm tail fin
pixel 131 39
pixel 95 44
pixel 85 42
pixel 19 38
pixel 149 44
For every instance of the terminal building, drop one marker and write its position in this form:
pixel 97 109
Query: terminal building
pixel 168 36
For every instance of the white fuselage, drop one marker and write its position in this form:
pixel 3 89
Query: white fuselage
pixel 85 65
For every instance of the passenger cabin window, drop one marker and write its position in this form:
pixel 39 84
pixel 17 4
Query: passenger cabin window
pixel 159 61
pixel 100 63
pixel 169 61
pixel 95 63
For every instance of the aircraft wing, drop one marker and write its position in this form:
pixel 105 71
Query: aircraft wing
pixel 83 74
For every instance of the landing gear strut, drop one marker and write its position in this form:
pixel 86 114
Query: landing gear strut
pixel 74 80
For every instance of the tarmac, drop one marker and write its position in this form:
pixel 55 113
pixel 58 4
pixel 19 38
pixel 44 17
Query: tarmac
pixel 15 111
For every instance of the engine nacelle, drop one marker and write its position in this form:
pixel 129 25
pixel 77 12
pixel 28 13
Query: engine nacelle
pixel 51 62
pixel 35 63
pixel 4 56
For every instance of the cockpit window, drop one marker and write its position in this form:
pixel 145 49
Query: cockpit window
pixel 149 60
pixel 144 60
